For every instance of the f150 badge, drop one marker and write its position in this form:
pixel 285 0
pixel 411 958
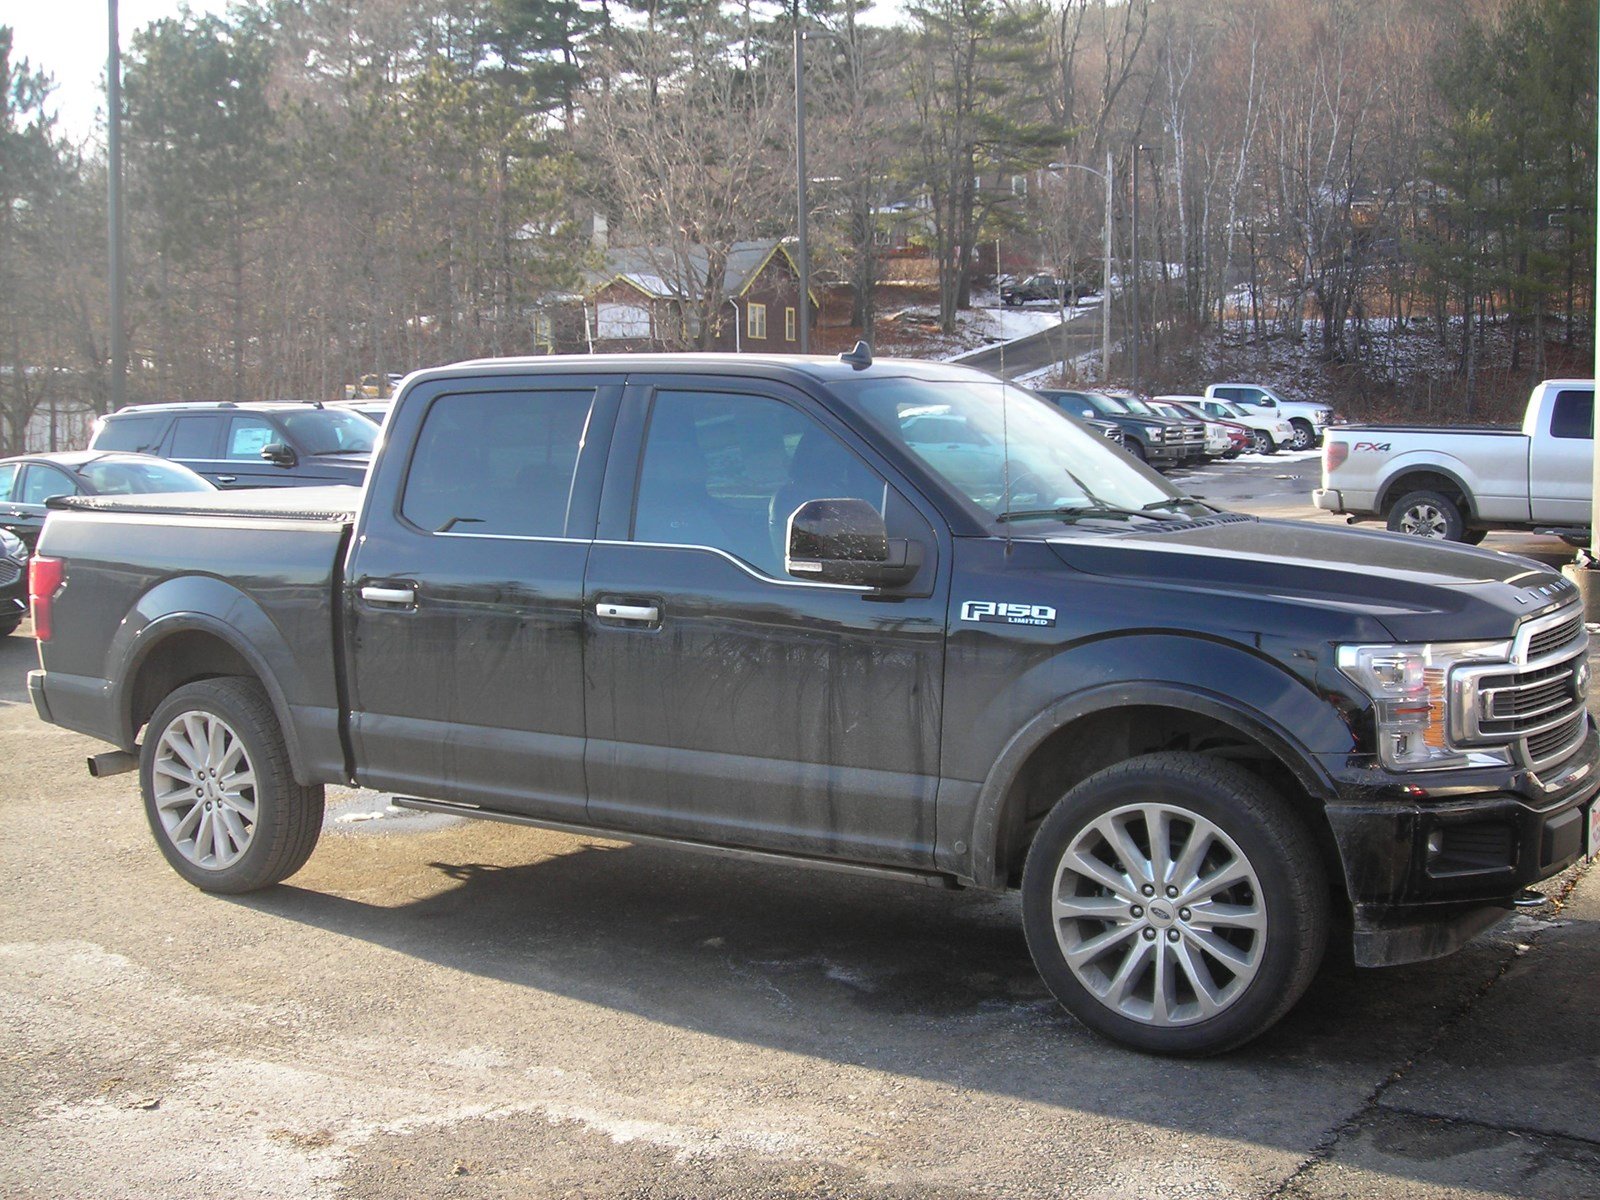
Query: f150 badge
pixel 996 612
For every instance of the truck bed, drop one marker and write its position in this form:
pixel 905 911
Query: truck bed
pixel 337 504
pixel 1433 429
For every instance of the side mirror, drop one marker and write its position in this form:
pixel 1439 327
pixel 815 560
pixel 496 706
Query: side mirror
pixel 279 454
pixel 845 541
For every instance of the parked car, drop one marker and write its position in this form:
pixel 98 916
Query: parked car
pixel 1306 420
pixel 1043 286
pixel 725 603
pixel 376 411
pixel 1191 430
pixel 1458 483
pixel 29 480
pixel 1218 444
pixel 13 582
pixel 1241 437
pixel 1159 441
pixel 1269 430
pixel 247 445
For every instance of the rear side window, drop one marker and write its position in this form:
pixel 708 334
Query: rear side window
pixel 194 437
pixel 497 463
pixel 1573 415
pixel 139 434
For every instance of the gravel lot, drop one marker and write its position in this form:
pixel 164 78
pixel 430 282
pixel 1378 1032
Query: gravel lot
pixel 436 1007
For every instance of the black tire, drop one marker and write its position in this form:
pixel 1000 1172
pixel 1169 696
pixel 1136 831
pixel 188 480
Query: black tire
pixel 1473 537
pixel 278 820
pixel 10 626
pixel 1136 448
pixel 1427 514
pixel 1305 436
pixel 1264 443
pixel 1286 894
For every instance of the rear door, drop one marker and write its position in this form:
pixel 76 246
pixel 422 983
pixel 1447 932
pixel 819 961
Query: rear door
pixel 727 701
pixel 1561 474
pixel 464 637
pixel 194 440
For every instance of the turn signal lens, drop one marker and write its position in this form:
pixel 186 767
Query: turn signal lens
pixel 45 576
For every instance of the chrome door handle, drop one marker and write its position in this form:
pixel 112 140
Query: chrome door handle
pixel 227 479
pixel 645 614
pixel 387 595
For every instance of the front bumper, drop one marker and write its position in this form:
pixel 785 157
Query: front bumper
pixel 1430 862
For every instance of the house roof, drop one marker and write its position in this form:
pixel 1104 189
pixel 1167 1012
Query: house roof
pixel 658 272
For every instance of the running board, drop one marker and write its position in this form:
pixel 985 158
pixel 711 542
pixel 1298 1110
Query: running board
pixel 899 874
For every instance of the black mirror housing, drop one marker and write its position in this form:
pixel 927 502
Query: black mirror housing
pixel 279 454
pixel 844 540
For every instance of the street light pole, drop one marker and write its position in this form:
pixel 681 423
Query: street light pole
pixel 119 348
pixel 1105 288
pixel 1133 341
pixel 800 179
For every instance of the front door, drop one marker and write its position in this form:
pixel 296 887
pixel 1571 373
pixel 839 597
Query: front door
pixel 727 701
pixel 465 630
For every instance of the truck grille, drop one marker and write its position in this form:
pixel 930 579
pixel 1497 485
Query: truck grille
pixel 1536 704
pixel 1115 434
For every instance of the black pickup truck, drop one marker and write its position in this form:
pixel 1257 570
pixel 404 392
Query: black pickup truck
pixel 892 618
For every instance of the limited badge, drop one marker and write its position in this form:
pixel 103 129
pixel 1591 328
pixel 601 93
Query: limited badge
pixel 998 612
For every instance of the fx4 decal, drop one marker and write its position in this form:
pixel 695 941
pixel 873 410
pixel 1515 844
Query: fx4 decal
pixel 1371 447
pixel 996 612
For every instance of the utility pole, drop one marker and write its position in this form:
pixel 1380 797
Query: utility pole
pixel 1105 287
pixel 119 346
pixel 800 178
pixel 1133 340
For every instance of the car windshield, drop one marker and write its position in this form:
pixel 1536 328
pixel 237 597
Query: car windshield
pixel 1011 455
pixel 325 431
pixel 139 477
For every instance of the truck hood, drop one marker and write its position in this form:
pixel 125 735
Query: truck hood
pixel 1418 590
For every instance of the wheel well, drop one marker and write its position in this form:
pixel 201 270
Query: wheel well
pixel 182 658
pixel 1430 481
pixel 1077 750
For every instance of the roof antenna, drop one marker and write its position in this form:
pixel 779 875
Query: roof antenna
pixel 860 357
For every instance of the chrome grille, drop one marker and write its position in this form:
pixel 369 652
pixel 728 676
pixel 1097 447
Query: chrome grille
pixel 1115 434
pixel 10 572
pixel 1536 703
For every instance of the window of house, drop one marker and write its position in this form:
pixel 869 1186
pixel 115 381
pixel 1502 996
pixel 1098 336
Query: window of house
pixel 756 325
pixel 497 463
pixel 789 327
pixel 621 320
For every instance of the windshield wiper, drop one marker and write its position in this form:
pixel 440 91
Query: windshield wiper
pixel 1076 511
pixel 1174 501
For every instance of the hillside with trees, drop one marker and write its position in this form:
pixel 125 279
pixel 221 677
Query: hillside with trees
pixel 1395 197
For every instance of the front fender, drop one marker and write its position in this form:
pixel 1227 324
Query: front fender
pixel 1264 702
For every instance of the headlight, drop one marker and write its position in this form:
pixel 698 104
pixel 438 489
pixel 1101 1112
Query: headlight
pixel 1414 700
pixel 1154 432
pixel 11 546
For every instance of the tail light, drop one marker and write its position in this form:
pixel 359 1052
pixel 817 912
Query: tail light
pixel 1333 454
pixel 45 576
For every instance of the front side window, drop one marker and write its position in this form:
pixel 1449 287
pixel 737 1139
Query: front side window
pixel 246 437
pixel 497 463
pixel 1573 416
pixel 727 470
pixel 757 327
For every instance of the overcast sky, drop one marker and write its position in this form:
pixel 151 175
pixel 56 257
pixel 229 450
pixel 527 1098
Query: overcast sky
pixel 67 39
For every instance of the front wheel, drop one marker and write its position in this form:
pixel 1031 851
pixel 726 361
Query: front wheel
pixel 1264 443
pixel 1427 514
pixel 219 793
pixel 1304 436
pixel 1175 904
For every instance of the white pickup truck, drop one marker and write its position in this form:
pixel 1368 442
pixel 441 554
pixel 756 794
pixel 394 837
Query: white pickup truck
pixel 1456 484
pixel 1306 419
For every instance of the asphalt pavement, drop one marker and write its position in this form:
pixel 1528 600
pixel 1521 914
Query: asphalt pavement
pixel 436 1007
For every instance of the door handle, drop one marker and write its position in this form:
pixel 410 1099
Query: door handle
pixel 389 595
pixel 644 614
pixel 227 479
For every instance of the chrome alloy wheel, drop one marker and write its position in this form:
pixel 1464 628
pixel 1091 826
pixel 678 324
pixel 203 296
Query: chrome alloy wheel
pixel 1424 519
pixel 1159 914
pixel 205 790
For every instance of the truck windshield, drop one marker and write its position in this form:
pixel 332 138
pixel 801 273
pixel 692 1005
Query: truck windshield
pixel 324 431
pixel 1013 456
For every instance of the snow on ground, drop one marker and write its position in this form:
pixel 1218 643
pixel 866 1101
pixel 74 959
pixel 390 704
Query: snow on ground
pixel 913 331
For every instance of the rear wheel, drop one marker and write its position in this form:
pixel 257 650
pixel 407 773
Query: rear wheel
pixel 219 793
pixel 1427 514
pixel 1473 537
pixel 1174 903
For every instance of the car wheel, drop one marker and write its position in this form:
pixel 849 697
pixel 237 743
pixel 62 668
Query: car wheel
pixel 1304 436
pixel 1136 448
pixel 219 793
pixel 1427 514
pixel 1474 537
pixel 1264 443
pixel 1175 904
pixel 7 628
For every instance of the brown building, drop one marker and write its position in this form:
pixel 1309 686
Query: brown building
pixel 653 298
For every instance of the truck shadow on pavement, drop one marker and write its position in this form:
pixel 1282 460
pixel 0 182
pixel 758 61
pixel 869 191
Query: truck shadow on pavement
pixel 922 983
